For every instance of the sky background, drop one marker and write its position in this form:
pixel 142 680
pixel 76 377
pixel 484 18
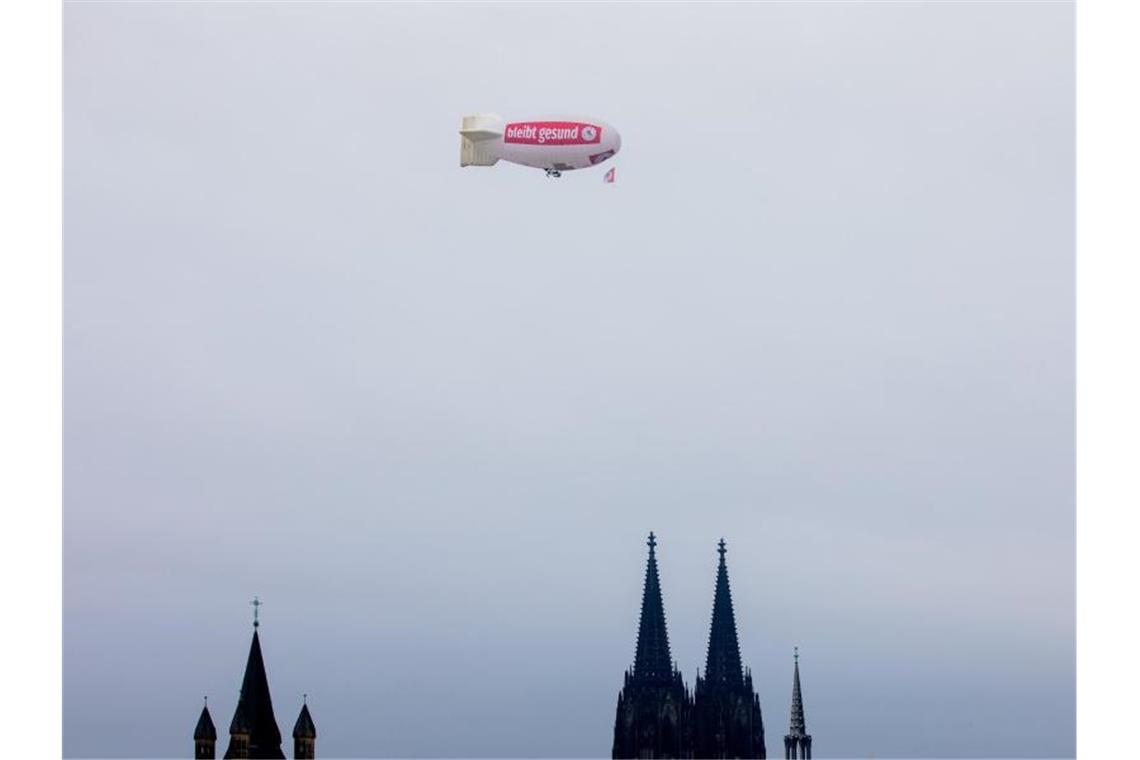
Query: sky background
pixel 429 414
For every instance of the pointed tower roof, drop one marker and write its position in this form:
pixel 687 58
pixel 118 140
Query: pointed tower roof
pixel 798 727
pixel 653 661
pixel 255 707
pixel 722 667
pixel 205 728
pixel 304 728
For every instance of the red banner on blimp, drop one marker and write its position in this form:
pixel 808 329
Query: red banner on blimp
pixel 552 133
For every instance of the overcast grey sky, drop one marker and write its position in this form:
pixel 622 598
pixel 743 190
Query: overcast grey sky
pixel 429 414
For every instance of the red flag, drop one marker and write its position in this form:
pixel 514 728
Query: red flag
pixel 610 175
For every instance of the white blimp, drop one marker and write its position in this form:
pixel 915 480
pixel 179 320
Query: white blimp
pixel 553 143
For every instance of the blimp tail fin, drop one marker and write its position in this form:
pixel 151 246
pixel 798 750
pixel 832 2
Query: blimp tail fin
pixel 471 153
pixel 475 132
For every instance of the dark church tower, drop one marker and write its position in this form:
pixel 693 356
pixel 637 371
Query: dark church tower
pixel 304 735
pixel 797 744
pixel 253 731
pixel 654 707
pixel 727 711
pixel 205 735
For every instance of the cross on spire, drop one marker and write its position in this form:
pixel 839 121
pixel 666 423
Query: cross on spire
pixel 652 542
pixel 256 603
pixel 721 550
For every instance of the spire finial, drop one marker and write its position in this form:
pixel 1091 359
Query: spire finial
pixel 256 603
pixel 304 699
pixel 797 650
pixel 721 550
pixel 652 542
pixel 205 701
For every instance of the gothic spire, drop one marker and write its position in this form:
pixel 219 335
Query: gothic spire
pixel 654 709
pixel 255 707
pixel 797 742
pixel 722 667
pixel 798 727
pixel 653 661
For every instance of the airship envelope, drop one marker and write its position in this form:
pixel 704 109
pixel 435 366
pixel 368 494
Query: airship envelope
pixel 553 143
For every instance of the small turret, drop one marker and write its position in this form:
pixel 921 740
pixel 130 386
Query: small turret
pixel 205 735
pixel 304 734
pixel 239 734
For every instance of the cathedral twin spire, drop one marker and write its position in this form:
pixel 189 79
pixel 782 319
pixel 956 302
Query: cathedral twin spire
pixel 722 665
pixel 726 709
pixel 654 707
pixel 657 716
pixel 652 661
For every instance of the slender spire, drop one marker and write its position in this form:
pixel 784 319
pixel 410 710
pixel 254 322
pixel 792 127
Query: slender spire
pixel 653 661
pixel 255 707
pixel 798 727
pixel 797 743
pixel 723 663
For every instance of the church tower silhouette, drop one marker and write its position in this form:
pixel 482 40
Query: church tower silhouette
pixel 654 707
pixel 205 735
pixel 253 729
pixel 727 715
pixel 304 734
